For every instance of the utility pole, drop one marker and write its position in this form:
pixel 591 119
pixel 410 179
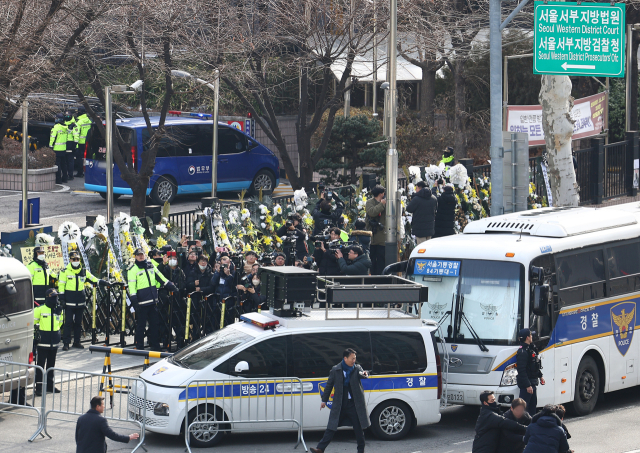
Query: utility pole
pixel 495 63
pixel 391 213
pixel 214 157
pixel 25 162
pixel 109 152
pixel 375 61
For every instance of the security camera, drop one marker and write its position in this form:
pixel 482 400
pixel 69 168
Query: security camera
pixel 385 85
pixel 137 85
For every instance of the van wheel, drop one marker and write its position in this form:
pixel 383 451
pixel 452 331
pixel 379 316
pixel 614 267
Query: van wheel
pixel 391 420
pixel 263 180
pixel 163 190
pixel 115 196
pixel 207 435
pixel 587 387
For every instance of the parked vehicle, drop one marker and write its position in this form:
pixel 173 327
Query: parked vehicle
pixel 183 160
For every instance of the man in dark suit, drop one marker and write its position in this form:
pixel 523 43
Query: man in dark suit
pixel 92 428
pixel 349 406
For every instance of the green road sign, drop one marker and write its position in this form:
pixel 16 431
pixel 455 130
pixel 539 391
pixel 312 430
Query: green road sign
pixel 579 39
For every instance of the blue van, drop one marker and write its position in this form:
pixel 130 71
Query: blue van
pixel 183 161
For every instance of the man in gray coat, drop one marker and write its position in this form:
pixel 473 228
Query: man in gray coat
pixel 348 407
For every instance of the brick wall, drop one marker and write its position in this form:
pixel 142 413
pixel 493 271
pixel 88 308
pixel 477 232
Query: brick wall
pixel 39 180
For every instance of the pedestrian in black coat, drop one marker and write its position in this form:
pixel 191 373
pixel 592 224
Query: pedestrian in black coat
pixel 423 206
pixel 545 433
pixel 200 278
pixel 511 442
pixel 92 428
pixel 326 257
pixel 446 214
pixel 490 425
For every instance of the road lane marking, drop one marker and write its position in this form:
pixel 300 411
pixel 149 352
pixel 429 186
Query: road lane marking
pixel 463 442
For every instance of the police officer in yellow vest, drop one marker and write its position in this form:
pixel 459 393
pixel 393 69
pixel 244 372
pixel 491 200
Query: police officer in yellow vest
pixel 72 134
pixel 58 141
pixel 83 124
pixel 72 298
pixel 42 278
pixel 143 277
pixel 49 318
pixel 447 158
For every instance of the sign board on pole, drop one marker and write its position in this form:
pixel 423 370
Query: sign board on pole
pixel 588 114
pixel 53 256
pixel 579 39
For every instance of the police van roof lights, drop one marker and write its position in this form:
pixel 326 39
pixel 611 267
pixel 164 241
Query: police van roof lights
pixel 201 115
pixel 174 112
pixel 259 320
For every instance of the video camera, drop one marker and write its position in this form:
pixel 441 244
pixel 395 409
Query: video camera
pixel 265 259
pixel 319 239
pixel 237 259
pixel 246 281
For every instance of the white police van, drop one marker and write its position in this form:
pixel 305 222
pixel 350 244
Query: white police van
pixel 398 351
pixel 16 328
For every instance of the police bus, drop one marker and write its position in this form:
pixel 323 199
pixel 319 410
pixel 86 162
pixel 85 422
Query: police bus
pixel 16 328
pixel 572 275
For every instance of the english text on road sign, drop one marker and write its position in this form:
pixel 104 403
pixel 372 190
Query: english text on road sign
pixel 579 39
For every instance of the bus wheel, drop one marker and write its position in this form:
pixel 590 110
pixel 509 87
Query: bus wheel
pixel 391 420
pixel 587 387
pixel 207 435
pixel 104 196
pixel 163 190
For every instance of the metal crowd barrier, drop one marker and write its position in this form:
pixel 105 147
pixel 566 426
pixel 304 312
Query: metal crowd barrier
pixel 14 377
pixel 224 405
pixel 78 387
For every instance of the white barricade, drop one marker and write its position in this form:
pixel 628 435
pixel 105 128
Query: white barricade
pixel 17 383
pixel 124 397
pixel 242 404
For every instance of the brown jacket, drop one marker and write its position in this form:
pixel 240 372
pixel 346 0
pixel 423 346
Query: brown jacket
pixel 376 211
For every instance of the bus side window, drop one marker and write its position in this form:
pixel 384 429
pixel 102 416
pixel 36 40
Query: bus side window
pixel 581 277
pixel 543 325
pixel 624 268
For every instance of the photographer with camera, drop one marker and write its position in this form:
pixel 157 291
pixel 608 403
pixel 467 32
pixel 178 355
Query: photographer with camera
pixel 249 290
pixel 325 253
pixel 375 209
pixel 173 273
pixel 360 262
pixel 324 215
pixel 191 263
pixel 296 237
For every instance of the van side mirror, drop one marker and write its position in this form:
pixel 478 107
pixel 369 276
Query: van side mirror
pixel 537 275
pixel 242 367
pixel 540 300
pixel 395 267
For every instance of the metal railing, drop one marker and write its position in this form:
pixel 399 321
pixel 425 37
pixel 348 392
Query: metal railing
pixel 217 406
pixel 18 379
pixel 127 402
pixel 615 175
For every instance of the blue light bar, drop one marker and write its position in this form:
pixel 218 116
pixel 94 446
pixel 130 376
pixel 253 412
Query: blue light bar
pixel 201 115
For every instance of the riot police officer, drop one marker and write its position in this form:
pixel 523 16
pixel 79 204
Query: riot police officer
pixel 49 318
pixel 71 295
pixel 447 158
pixel 83 124
pixel 142 278
pixel 529 370
pixel 42 278
pixel 58 141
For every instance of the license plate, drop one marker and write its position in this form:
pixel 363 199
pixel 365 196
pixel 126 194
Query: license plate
pixel 7 357
pixel 455 397
pixel 135 410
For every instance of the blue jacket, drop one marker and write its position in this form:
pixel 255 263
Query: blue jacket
pixel 545 435
pixel 225 284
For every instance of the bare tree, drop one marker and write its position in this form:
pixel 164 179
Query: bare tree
pixel 119 32
pixel 273 44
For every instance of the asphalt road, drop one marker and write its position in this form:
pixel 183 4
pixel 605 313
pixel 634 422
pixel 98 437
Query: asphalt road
pixel 70 202
pixel 611 428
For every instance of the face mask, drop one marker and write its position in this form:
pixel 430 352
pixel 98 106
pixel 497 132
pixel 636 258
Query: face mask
pixel 75 264
pixel 158 260
pixel 202 267
pixel 255 282
pixel 173 262
pixel 41 257
pixel 494 404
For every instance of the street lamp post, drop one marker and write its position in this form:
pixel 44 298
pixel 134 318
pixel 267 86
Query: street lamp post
pixel 216 98
pixel 108 119
pixel 25 162
pixel 391 245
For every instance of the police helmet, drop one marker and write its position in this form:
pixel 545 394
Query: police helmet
pixel 59 118
pixel 68 116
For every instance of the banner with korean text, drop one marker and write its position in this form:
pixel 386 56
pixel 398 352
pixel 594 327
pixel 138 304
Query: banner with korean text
pixel 588 114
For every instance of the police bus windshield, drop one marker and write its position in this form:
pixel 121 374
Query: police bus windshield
pixel 489 294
